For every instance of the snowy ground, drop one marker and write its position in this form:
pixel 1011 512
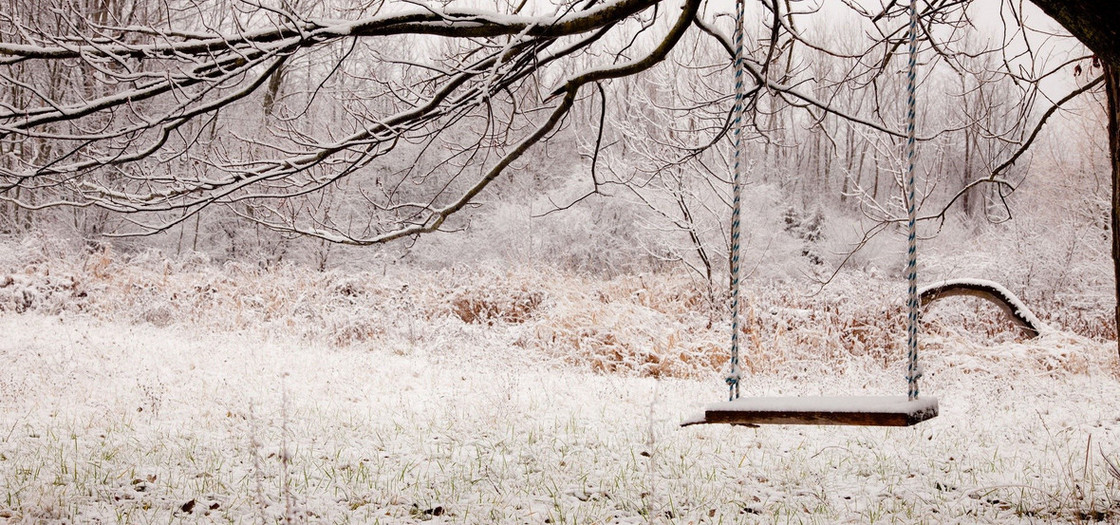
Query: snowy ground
pixel 124 422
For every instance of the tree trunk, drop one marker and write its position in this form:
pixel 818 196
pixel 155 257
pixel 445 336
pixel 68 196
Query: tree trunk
pixel 1112 87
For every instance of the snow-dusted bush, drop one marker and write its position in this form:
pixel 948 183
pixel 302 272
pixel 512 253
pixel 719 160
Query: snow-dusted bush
pixel 488 304
pixel 41 292
pixel 649 325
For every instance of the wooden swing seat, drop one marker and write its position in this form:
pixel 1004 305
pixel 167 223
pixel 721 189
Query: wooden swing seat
pixel 874 411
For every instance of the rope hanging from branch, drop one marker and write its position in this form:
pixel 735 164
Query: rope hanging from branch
pixel 913 372
pixel 734 374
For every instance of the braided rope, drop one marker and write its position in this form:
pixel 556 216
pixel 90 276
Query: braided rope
pixel 734 373
pixel 912 370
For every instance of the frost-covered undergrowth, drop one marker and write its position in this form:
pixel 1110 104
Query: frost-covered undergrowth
pixel 157 390
pixel 658 325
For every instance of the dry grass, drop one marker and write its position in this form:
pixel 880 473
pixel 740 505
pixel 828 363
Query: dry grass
pixel 657 325
pixel 491 303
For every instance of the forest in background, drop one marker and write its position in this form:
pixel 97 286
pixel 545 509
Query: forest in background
pixel 636 177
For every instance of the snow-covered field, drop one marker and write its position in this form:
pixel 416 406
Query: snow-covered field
pixel 112 422
pixel 108 417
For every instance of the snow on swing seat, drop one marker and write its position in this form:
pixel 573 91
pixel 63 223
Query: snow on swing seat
pixel 878 411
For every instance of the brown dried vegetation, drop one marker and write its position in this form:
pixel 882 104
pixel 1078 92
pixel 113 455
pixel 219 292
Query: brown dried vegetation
pixel 657 325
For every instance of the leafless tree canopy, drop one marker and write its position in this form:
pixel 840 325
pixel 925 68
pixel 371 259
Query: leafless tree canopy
pixel 363 122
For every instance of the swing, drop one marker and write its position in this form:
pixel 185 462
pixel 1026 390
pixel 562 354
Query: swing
pixel 859 410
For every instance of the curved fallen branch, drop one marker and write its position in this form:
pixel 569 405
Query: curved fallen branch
pixel 991 291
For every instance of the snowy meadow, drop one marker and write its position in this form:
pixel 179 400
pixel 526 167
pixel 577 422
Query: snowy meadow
pixel 142 390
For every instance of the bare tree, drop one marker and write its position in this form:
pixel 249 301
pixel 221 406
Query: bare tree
pixel 493 85
pixel 158 130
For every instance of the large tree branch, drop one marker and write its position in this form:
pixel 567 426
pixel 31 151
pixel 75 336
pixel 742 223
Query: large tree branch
pixel 457 23
pixel 1093 22
pixel 437 217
